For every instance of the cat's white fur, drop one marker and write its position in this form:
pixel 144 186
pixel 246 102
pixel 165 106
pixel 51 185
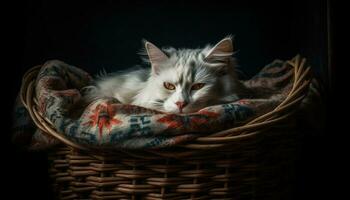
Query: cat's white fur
pixel 212 65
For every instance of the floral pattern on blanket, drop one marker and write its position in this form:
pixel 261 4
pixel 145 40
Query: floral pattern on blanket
pixel 106 123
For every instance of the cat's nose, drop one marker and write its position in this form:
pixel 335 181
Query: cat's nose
pixel 181 104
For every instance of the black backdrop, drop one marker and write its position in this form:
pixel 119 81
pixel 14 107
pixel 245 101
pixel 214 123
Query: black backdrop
pixel 108 34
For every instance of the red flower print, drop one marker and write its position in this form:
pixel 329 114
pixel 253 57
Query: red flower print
pixel 103 116
pixel 173 121
pixel 243 102
pixel 188 122
pixel 209 114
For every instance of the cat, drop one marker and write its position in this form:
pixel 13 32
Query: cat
pixel 178 80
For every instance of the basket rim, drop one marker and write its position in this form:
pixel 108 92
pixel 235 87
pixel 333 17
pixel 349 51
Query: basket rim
pixel 215 140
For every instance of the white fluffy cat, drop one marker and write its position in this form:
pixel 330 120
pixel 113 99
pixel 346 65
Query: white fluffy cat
pixel 178 81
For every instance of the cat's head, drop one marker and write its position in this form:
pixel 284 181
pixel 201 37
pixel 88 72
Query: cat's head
pixel 186 80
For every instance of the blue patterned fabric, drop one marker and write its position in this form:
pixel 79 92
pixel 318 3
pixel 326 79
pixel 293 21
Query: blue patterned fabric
pixel 106 123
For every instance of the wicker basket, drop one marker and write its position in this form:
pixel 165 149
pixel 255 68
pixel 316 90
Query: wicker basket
pixel 253 161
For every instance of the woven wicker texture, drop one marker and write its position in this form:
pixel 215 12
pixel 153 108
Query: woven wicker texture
pixel 253 161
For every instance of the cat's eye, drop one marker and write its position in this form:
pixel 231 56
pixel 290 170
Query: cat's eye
pixel 197 86
pixel 169 86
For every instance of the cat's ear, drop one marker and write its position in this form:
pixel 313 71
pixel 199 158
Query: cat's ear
pixel 155 55
pixel 221 50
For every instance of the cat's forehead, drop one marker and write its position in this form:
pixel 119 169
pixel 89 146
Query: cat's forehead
pixel 179 72
pixel 186 67
pixel 186 59
pixel 184 56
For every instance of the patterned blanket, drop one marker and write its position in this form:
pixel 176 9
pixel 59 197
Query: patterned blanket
pixel 106 123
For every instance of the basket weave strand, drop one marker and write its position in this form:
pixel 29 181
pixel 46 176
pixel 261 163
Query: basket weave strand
pixel 252 161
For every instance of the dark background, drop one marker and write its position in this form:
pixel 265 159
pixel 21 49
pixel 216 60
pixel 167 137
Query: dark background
pixel 107 34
